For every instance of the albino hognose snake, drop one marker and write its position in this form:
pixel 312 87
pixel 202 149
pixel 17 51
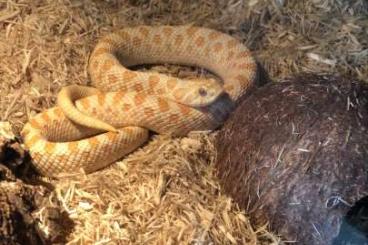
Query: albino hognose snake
pixel 133 102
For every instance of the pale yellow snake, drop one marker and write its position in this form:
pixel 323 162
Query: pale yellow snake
pixel 133 101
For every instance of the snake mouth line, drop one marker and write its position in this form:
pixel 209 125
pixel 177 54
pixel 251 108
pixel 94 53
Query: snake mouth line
pixel 217 97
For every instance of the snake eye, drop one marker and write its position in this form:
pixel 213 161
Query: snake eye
pixel 202 92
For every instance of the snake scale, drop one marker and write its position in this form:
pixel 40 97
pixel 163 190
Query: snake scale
pixel 90 127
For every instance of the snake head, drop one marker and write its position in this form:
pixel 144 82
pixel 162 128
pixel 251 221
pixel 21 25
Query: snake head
pixel 202 92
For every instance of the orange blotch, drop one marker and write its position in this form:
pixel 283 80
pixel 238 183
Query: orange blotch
pixel 111 136
pixel 144 31
pixel 157 39
pixel 148 47
pixel 207 51
pixel 50 147
pixel 35 124
pixel 60 158
pixel 150 91
pixel 179 94
pixel 123 88
pixel 163 105
pixel 185 110
pixel 128 131
pixel 192 30
pixel 94 65
pixel 45 117
pixel 100 51
pixel 139 99
pixel 126 107
pixel 174 118
pixel 189 48
pixel 85 103
pixel 149 112
pixel 232 43
pixel 58 112
pixel 214 35
pixel 72 146
pixel 101 98
pixel 179 39
pixel 112 78
pixel 32 140
pixel 228 87
pixel 93 142
pixel 246 66
pixel 138 87
pixel 161 91
pixel 242 79
pixel 230 55
pixel 153 80
pixel 167 30
pixel 129 75
pixel 252 65
pixel 107 65
pixel 108 109
pixel 97 74
pixel 199 41
pixel 118 96
pixel 137 41
pixel 171 83
pixel 243 54
pixel 217 47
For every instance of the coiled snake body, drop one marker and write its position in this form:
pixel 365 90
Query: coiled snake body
pixel 68 137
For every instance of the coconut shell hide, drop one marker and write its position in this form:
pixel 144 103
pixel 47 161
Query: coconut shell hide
pixel 295 154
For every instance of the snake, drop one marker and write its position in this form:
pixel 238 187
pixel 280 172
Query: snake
pixel 92 126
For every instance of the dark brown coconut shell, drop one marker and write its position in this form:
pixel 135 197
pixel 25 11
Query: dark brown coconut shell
pixel 295 154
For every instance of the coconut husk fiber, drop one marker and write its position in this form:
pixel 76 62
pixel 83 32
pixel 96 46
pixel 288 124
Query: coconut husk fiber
pixel 295 153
